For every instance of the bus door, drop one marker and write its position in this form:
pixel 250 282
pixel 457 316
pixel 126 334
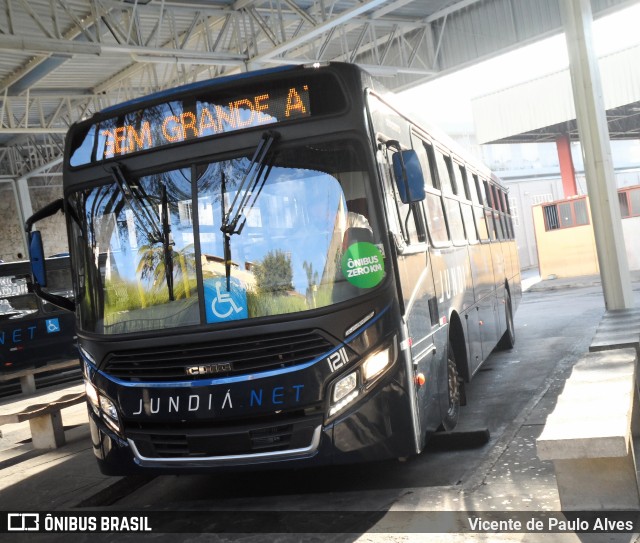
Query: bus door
pixel 482 270
pixel 428 343
pixel 497 253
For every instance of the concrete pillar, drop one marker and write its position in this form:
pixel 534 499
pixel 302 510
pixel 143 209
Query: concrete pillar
pixel 28 384
pixel 47 431
pixel 567 171
pixel 594 135
pixel 24 208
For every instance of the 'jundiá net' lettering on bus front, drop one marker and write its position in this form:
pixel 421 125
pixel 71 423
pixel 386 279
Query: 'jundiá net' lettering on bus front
pixel 208 119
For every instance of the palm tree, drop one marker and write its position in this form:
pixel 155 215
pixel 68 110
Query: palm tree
pixel 151 266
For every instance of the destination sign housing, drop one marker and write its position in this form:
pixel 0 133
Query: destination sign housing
pixel 188 119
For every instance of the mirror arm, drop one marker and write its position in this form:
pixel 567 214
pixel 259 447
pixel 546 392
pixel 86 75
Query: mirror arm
pixel 46 211
pixel 54 299
pixel 33 285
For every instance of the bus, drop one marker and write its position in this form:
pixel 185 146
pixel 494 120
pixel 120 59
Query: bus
pixel 278 269
pixel 33 332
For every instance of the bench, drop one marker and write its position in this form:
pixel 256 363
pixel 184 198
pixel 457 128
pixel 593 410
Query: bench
pixel 27 375
pixel 590 434
pixel 43 411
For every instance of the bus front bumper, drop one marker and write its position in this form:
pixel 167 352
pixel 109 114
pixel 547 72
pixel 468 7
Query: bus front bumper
pixel 375 429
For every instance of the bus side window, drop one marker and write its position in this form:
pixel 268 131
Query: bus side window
pixel 488 210
pixel 481 223
pixel 507 215
pixel 469 223
pixel 465 182
pixel 422 150
pixel 478 191
pixel 442 167
pixel 454 217
pixel 478 212
pixel 498 214
pixel 454 174
pixel 436 222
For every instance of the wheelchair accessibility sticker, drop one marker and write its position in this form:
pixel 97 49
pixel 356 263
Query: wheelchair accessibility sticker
pixel 222 304
pixel 53 326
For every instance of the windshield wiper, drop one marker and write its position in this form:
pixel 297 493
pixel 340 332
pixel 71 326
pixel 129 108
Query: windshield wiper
pixel 167 243
pixel 246 196
pixel 148 220
pixel 141 212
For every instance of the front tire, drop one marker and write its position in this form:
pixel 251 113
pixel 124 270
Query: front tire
pixel 454 388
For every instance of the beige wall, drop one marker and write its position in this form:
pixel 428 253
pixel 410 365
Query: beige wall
pixel 566 252
pixel 571 252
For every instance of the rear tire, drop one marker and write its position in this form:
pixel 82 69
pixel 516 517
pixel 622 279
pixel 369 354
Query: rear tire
pixel 454 388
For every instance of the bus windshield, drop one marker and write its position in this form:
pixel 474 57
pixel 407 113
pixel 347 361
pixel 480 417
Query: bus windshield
pixel 155 251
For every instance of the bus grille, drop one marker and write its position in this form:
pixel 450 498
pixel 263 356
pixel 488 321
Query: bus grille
pixel 220 358
pixel 206 440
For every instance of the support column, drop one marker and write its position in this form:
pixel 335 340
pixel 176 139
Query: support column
pixel 594 135
pixel 23 199
pixel 567 171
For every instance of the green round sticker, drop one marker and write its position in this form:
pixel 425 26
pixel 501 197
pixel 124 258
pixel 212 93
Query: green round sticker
pixel 363 265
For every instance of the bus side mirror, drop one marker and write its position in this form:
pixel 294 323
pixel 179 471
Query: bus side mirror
pixel 36 256
pixel 409 176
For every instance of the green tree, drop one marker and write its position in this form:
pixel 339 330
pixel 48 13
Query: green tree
pixel 151 265
pixel 274 273
pixel 312 282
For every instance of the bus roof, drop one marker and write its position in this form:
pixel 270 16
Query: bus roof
pixel 177 91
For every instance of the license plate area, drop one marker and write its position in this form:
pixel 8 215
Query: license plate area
pixel 206 441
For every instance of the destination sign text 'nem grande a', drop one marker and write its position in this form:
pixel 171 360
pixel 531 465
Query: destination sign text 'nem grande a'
pixel 188 119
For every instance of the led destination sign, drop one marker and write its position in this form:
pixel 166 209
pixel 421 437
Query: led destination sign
pixel 188 119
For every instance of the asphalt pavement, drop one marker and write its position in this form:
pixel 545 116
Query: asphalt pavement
pixel 510 486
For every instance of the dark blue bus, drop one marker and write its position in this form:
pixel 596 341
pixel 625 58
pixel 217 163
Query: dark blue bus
pixel 279 268
pixel 34 332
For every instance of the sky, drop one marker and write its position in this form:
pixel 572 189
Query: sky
pixel 447 100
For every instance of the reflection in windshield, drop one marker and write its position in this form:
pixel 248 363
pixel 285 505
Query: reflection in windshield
pixel 123 277
pixel 255 176
pixel 306 233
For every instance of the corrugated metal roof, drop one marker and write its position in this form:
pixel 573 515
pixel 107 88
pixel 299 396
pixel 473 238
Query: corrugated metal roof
pixel 116 50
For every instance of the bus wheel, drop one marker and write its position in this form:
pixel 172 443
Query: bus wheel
pixel 508 339
pixel 454 390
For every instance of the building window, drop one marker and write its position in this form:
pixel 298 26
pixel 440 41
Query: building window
pixel 565 214
pixel 629 199
pixel 551 221
pixel 513 207
pixel 580 212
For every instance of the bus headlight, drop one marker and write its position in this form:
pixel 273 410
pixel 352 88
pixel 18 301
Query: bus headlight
pixel 376 363
pixel 92 395
pixel 349 387
pixel 344 392
pixel 108 408
pixel 102 405
pixel 344 386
